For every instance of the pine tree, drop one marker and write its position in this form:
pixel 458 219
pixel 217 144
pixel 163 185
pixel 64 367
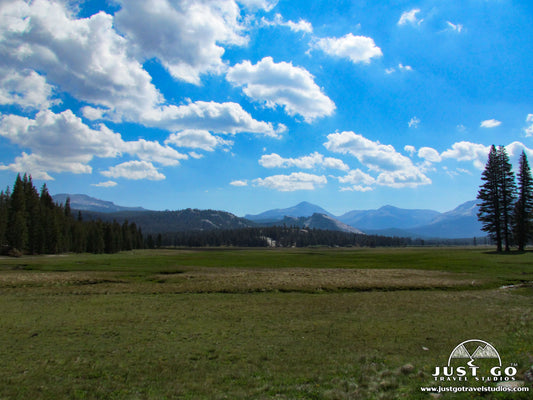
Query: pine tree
pixel 497 195
pixel 489 206
pixel 507 195
pixel 523 210
pixel 17 227
pixel 33 212
pixel 4 204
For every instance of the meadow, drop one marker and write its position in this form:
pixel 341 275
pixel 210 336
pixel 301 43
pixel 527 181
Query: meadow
pixel 256 323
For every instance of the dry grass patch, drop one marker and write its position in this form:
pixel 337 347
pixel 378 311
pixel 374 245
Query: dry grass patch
pixel 234 280
pixel 33 278
pixel 309 279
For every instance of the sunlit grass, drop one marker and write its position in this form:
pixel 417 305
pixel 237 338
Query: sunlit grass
pixel 259 324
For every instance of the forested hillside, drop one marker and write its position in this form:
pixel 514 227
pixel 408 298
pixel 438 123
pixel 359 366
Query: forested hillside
pixel 30 222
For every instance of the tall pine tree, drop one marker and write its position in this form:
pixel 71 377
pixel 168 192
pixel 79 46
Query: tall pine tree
pixel 17 227
pixel 523 210
pixel 507 195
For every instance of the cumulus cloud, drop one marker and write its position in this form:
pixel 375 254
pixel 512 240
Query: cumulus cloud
pixel 300 26
pixel 410 176
pixel 253 5
pixel 92 62
pixel 358 49
pixel 358 180
pixel 314 160
pixel 410 18
pixel 514 149
pixel 25 88
pixel 63 143
pixel 490 123
pixel 395 169
pixel 224 118
pixel 282 84
pixel 292 182
pixel 134 170
pixel 374 155
pixel 85 57
pixel 38 166
pixel 468 151
pixel 429 154
pixel 197 139
pixel 185 36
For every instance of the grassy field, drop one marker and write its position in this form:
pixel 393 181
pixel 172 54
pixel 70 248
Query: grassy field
pixel 255 323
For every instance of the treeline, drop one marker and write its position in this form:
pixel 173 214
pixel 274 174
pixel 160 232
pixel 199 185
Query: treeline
pixel 279 236
pixel 31 223
pixel 506 204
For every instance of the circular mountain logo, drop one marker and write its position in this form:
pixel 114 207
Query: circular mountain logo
pixel 482 350
pixel 477 360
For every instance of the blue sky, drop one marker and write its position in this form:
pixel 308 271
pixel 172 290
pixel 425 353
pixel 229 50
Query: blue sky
pixel 250 105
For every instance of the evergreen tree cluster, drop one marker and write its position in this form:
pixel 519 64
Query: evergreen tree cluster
pixel 30 222
pixel 506 208
pixel 279 236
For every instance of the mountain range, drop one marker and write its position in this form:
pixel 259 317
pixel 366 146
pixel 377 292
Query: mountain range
pixel 86 203
pixel 460 222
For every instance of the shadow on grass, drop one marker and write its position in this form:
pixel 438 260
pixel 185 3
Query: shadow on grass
pixel 508 253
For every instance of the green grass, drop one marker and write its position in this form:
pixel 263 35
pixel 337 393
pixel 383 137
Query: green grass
pixel 122 327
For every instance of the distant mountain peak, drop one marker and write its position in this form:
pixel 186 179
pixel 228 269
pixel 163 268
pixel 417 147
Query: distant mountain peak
pixel 88 203
pixel 302 209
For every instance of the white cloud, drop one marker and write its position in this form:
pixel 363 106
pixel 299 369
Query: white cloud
pixel 409 17
pixel 292 182
pixel 282 84
pixel 134 170
pixel 359 181
pixel 374 155
pixel 197 139
pixel 240 183
pixel 105 184
pixel 410 149
pixel 467 151
pixel 401 67
pixel 478 153
pixel 529 129
pixel 514 149
pixel 429 154
pixel 405 67
pixel 185 36
pixel 63 143
pixel 253 5
pixel 395 169
pixel 358 49
pixel 314 160
pixel 300 26
pixel 408 177
pixel 93 63
pixel 225 118
pixel 490 123
pixel 154 151
pixel 37 166
pixel 414 122
pixel 25 88
pixel 84 57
